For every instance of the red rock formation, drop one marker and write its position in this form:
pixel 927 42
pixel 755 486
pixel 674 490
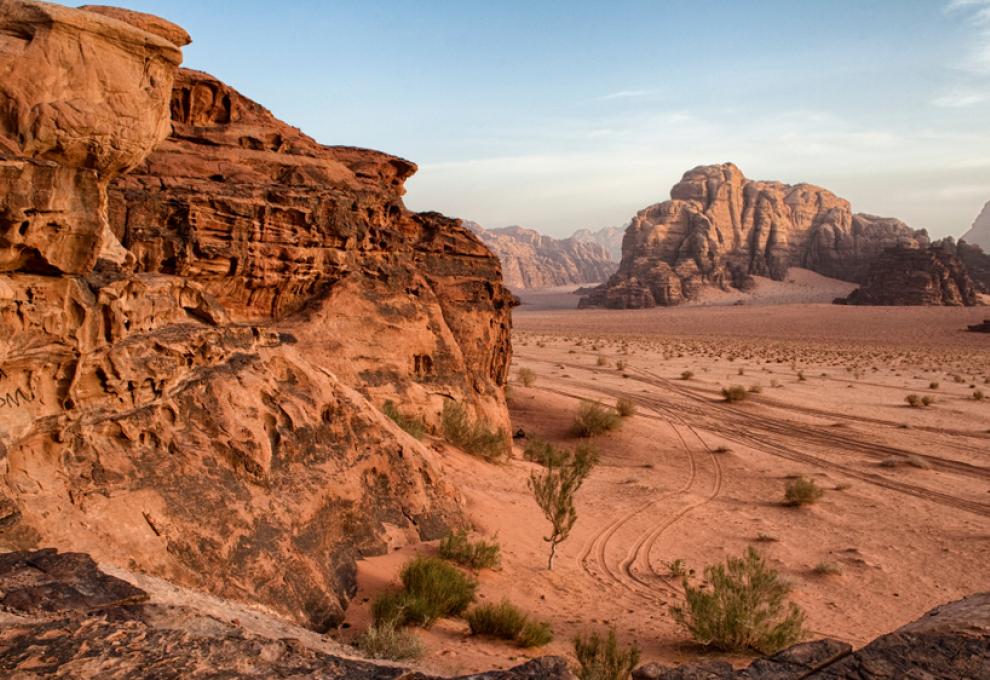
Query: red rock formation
pixel 720 228
pixel 913 276
pixel 532 260
pixel 207 411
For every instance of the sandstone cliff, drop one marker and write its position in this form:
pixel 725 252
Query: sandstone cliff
pixel 916 276
pixel 532 260
pixel 721 229
pixel 609 238
pixel 191 355
pixel 979 232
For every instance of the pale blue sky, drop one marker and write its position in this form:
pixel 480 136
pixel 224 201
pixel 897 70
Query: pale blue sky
pixel 563 115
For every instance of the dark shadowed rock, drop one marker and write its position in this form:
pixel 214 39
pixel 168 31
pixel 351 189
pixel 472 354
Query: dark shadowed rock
pixel 913 276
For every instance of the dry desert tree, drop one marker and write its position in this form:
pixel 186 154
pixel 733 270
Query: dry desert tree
pixel 554 489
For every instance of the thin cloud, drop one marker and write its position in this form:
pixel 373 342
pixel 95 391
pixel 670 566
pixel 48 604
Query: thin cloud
pixel 977 13
pixel 628 94
pixel 960 99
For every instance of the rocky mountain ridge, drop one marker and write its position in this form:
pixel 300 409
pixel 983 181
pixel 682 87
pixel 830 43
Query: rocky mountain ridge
pixel 188 385
pixel 533 260
pixel 979 232
pixel 721 229
pixel 609 238
pixel 932 276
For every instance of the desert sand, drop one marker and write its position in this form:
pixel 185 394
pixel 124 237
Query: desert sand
pixel 904 523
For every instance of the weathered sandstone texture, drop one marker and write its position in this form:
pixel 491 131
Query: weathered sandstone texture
pixel 64 618
pixel 721 229
pixel 204 405
pixel 979 232
pixel 913 276
pixel 976 260
pixel 951 642
pixel 532 260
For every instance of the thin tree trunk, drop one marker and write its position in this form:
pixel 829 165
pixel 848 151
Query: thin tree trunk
pixel 553 549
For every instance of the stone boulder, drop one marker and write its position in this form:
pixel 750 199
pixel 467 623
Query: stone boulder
pixel 721 229
pixel 913 276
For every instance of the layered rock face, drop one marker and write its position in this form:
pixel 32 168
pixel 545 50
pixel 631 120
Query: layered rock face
pixel 202 405
pixel 977 263
pixel 912 276
pixel 532 260
pixel 721 229
pixel 979 232
pixel 609 238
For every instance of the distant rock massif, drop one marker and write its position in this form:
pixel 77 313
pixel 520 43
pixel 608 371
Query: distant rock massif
pixel 979 232
pixel 532 260
pixel 609 238
pixel 721 229
pixel 202 311
pixel 932 276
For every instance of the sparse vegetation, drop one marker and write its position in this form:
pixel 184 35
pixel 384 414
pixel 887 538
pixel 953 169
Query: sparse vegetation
pixel 414 426
pixel 802 491
pixel 506 622
pixel 600 658
pixel 594 419
pixel 916 401
pixel 386 640
pixel 734 393
pixel 432 589
pixel 554 491
pixel 625 407
pixel 620 365
pixel 827 569
pixel 687 375
pixel 481 554
pixel 527 376
pixel 543 452
pixel 474 438
pixel 722 449
pixel 744 608
pixel 602 361
pixel 933 385
pixel 978 395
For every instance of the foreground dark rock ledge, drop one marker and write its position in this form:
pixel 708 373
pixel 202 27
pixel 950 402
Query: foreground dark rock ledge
pixel 951 642
pixel 61 617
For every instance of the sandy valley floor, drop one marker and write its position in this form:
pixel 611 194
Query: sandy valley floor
pixel 904 523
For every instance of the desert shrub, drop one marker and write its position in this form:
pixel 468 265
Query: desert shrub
pixel 687 375
pixel 722 449
pixel 734 393
pixel 387 640
pixel 801 377
pixel 554 492
pixel 543 452
pixel 506 622
pixel 432 589
pixel 755 389
pixel 527 376
pixel 802 491
pixel 625 407
pixel 933 385
pixel 602 361
pixel 600 658
pixel 677 568
pixel 414 426
pixel 480 554
pixel 927 400
pixel 978 395
pixel 593 419
pixel 620 365
pixel 474 438
pixel 745 608
pixel 827 569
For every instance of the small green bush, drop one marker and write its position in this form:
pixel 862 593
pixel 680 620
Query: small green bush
pixel 388 641
pixel 432 589
pixel 734 393
pixel 506 622
pixel 601 659
pixel 802 491
pixel 625 407
pixel 543 452
pixel 414 426
pixel 527 376
pixel 481 554
pixel 593 419
pixel 474 438
pixel 745 608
